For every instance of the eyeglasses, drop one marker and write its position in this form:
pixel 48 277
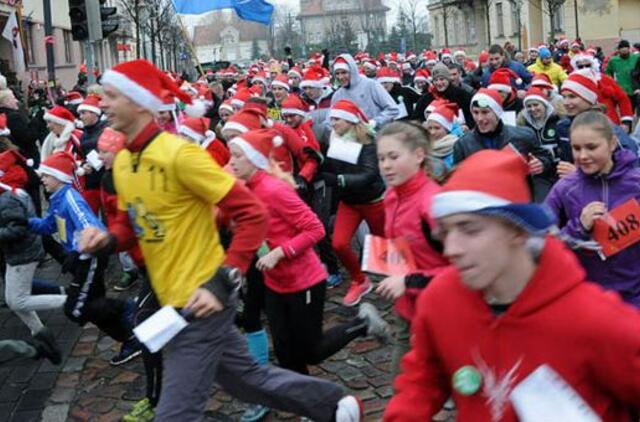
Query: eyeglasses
pixel 583 66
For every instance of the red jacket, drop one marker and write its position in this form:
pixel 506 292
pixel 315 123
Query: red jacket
pixel 305 132
pixel 294 148
pixel 406 209
pixel 295 228
pixel 586 335
pixel 615 99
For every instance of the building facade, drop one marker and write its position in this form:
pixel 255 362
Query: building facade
pixel 319 18
pixel 528 22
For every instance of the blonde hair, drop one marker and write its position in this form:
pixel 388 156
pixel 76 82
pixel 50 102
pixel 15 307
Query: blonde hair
pixel 412 135
pixel 5 94
pixel 276 171
pixel 364 134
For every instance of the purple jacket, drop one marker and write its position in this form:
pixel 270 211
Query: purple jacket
pixel 620 272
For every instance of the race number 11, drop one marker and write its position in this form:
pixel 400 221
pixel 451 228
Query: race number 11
pixel 619 228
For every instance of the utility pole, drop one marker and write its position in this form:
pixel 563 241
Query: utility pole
pixel 575 14
pixel 94 25
pixel 48 32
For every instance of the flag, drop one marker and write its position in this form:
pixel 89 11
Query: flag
pixel 198 7
pixel 254 10
pixel 12 33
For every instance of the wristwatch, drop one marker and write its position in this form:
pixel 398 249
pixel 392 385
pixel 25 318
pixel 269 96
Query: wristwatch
pixel 233 277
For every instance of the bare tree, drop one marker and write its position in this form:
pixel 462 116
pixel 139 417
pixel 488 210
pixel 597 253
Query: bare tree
pixel 416 21
pixel 552 8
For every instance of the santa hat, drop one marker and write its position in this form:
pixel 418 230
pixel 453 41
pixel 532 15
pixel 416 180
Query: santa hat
pixel 536 94
pixel 341 64
pixel 313 78
pixel 532 48
pixel 295 71
pixel 294 105
pixel 60 115
pixel 226 105
pixel 260 77
pixel 60 165
pixel 443 115
pixel 73 98
pixel 406 66
pixel 411 55
pixel 4 129
pixel 583 84
pixel 459 52
pixel 388 75
pixel 349 111
pixel 542 80
pixel 493 183
pixel 111 140
pixel 142 83
pixel 488 98
pixel 445 52
pixel 422 75
pixel 11 171
pixel 168 102
pixel 282 81
pixel 92 104
pixel 438 103
pixel 197 129
pixel 243 121
pixel 241 97
pixel 562 42
pixel 430 57
pixel 500 80
pixel 483 57
pixel 257 145
pixel 370 64
pixel 576 44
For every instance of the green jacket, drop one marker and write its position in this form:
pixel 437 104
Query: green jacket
pixel 621 69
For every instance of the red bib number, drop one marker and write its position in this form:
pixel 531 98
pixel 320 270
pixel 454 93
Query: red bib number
pixel 619 229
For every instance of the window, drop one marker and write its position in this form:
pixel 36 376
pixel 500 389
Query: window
pixel 68 56
pixel 558 19
pixel 470 24
pixel 500 19
pixel 30 47
pixel 436 30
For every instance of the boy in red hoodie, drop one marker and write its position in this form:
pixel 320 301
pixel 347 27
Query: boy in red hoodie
pixel 513 329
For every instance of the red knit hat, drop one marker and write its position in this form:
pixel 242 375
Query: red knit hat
pixel 142 83
pixel 583 84
pixel 313 78
pixel 486 97
pixel 60 165
pixel 500 80
pixel 281 81
pixel 111 140
pixel 422 75
pixel 483 57
pixel 243 121
pixel 349 111
pixel 443 115
pixel 4 129
pixel 73 98
pixel 341 64
pixel 293 104
pixel 537 94
pixel 542 80
pixel 386 74
pixel 493 183
pixel 92 104
pixel 257 145
pixel 60 115
pixel 11 172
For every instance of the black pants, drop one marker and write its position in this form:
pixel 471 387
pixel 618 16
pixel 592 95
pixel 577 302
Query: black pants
pixel 322 206
pixel 253 299
pixel 147 305
pixel 296 327
pixel 86 300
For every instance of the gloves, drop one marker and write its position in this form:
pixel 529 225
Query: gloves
pixel 330 179
pixel 302 187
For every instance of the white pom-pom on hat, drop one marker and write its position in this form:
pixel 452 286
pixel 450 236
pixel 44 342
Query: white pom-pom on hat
pixel 277 141
pixel 197 109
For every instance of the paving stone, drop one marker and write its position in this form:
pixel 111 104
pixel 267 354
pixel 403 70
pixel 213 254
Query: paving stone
pixel 367 394
pixel 68 379
pixel 62 395
pixel 385 391
pixel 83 349
pixel 6 409
pixel 349 373
pixel 357 362
pixel 380 381
pixel 79 414
pixel 105 343
pixel 11 392
pixel 44 381
pixel 378 355
pixel 359 383
pixel 74 364
pixel 125 377
pixel 33 400
pixel 114 415
pixel 55 413
pixel 374 405
pixel 26 416
pixel 371 371
pixel 365 346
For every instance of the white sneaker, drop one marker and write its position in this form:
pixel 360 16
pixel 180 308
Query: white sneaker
pixel 349 409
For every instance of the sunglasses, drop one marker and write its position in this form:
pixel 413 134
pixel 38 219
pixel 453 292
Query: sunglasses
pixel 583 66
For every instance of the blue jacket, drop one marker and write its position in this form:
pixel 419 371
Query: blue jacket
pixel 68 215
pixel 517 67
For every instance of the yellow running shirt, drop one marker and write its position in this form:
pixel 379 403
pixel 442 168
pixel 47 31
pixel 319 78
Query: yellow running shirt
pixel 168 190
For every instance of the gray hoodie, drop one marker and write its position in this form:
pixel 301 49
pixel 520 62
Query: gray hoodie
pixel 367 94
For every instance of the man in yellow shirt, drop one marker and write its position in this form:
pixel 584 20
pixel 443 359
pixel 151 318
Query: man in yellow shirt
pixel 166 189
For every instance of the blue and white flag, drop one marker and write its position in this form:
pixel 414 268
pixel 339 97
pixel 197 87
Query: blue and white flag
pixel 198 7
pixel 252 10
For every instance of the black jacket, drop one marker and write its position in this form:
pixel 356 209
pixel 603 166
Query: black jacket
pixel 409 96
pixel 19 245
pixel 455 95
pixel 23 133
pixel 88 143
pixel 362 181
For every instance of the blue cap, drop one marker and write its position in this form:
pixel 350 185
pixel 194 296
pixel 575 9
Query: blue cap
pixel 544 53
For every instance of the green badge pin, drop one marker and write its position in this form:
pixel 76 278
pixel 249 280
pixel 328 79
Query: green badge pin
pixel 467 380
pixel 551 132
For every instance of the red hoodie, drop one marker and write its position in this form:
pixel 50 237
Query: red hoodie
pixel 588 336
pixel 615 99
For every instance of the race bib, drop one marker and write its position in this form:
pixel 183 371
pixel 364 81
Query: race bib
pixel 344 150
pixel 387 256
pixel 619 228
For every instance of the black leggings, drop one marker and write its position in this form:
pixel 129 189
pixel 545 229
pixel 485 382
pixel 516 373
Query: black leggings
pixel 253 299
pixel 147 305
pixel 296 327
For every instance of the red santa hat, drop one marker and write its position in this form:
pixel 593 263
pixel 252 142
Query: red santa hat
pixel 411 55
pixel 73 98
pixel 459 52
pixel 282 81
pixel 313 78
pixel 142 83
pixel 582 57
pixel 12 173
pixel 386 74
pixel 583 84
pixel 500 80
pixel 92 104
pixel 60 165
pixel 493 183
pixel 110 140
pixel 241 97
pixel 483 57
pixel 257 145
pixel 439 103
pixel 168 102
pixel 430 57
pixel 443 115
pixel 60 115
pixel 197 129
pixel 445 52
pixel 293 104
pixel 563 41
pixel 370 64
pixel 576 44
pixel 341 64
pixel 295 71
pixel 226 105
pixel 243 121
pixel 406 66
pixel 542 80
pixel 488 98
pixel 260 77
pixel 4 129
pixel 349 111
pixel 422 74
pixel 536 94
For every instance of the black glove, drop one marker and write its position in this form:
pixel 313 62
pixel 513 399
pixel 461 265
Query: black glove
pixel 224 283
pixel 70 261
pixel 325 51
pixel 287 50
pixel 302 187
pixel 330 179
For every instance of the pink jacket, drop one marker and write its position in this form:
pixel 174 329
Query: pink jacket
pixel 295 228
pixel 406 209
